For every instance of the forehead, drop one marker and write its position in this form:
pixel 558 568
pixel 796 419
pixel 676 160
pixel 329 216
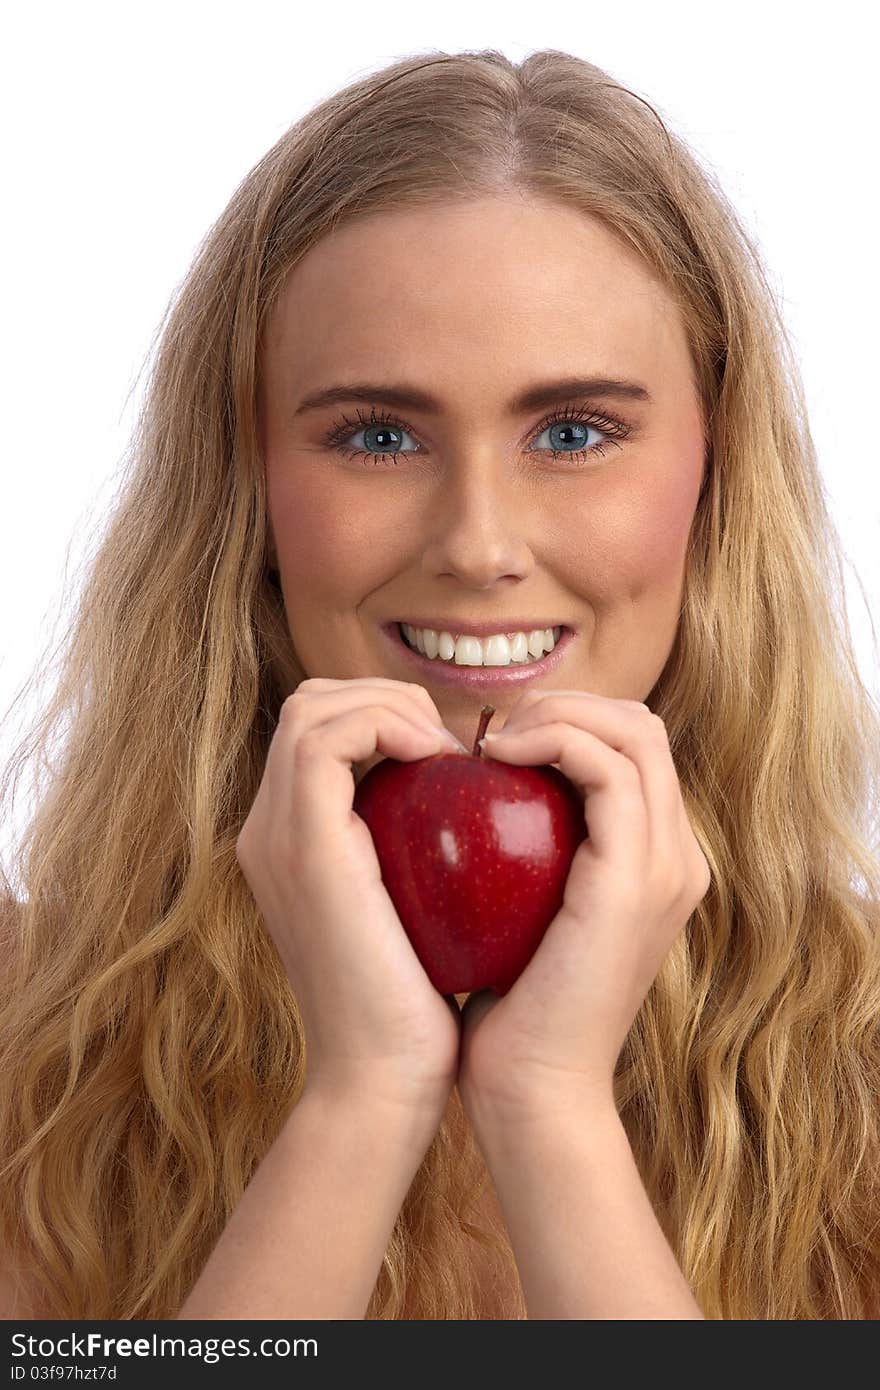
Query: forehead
pixel 480 285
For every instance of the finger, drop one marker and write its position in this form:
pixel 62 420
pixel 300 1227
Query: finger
pixel 411 689
pixel 614 803
pixel 312 778
pixel 316 701
pixel 631 729
pixel 526 703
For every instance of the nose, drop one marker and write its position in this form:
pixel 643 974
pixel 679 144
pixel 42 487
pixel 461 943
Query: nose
pixel 477 526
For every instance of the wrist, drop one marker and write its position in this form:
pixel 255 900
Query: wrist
pixel 539 1109
pixel 409 1125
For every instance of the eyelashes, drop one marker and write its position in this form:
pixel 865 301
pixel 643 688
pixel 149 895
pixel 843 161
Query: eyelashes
pixel 612 428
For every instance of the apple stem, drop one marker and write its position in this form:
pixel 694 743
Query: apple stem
pixel 485 715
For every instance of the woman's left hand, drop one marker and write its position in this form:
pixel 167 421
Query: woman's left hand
pixel 633 884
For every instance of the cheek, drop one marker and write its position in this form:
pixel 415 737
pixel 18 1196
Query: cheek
pixel 638 548
pixel 637 534
pixel 660 538
pixel 638 560
pixel 330 533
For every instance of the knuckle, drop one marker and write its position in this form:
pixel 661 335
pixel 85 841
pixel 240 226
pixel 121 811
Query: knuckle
pixel 433 714
pixel 630 773
pixel 242 845
pixel 293 707
pixel 672 885
pixel 530 697
pixel 310 685
pixel 308 747
pixel 423 695
pixel 288 719
pixel 697 881
pixel 704 880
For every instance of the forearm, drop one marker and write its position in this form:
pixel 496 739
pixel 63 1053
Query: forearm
pixel 308 1236
pixel 586 1241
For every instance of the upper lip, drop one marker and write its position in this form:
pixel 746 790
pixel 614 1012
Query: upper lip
pixel 458 625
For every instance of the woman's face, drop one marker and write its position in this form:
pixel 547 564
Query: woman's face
pixel 456 509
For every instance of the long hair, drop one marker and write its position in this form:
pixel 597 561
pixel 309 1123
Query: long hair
pixel 150 1044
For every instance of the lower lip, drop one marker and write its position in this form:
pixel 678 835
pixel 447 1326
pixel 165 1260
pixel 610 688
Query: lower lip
pixel 480 677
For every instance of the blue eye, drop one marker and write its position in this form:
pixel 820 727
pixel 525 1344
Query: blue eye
pixel 567 426
pixel 569 432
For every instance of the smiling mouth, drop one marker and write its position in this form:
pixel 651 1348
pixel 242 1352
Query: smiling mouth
pixel 524 667
pixel 444 652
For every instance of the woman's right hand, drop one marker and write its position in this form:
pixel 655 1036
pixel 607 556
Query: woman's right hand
pixel 374 1023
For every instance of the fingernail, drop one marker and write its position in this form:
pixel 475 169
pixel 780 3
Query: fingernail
pixel 452 739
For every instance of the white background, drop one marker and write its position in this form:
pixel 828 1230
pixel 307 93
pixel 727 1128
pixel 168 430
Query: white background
pixel 127 128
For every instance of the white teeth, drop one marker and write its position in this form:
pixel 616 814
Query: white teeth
pixel 496 650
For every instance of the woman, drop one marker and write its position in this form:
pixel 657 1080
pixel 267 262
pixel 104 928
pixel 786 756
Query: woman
pixel 229 1088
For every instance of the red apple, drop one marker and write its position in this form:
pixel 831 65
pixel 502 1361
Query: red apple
pixel 474 854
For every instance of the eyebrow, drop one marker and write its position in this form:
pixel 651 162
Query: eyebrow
pixel 535 397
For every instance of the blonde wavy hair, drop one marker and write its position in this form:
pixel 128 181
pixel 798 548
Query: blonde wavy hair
pixel 150 1044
